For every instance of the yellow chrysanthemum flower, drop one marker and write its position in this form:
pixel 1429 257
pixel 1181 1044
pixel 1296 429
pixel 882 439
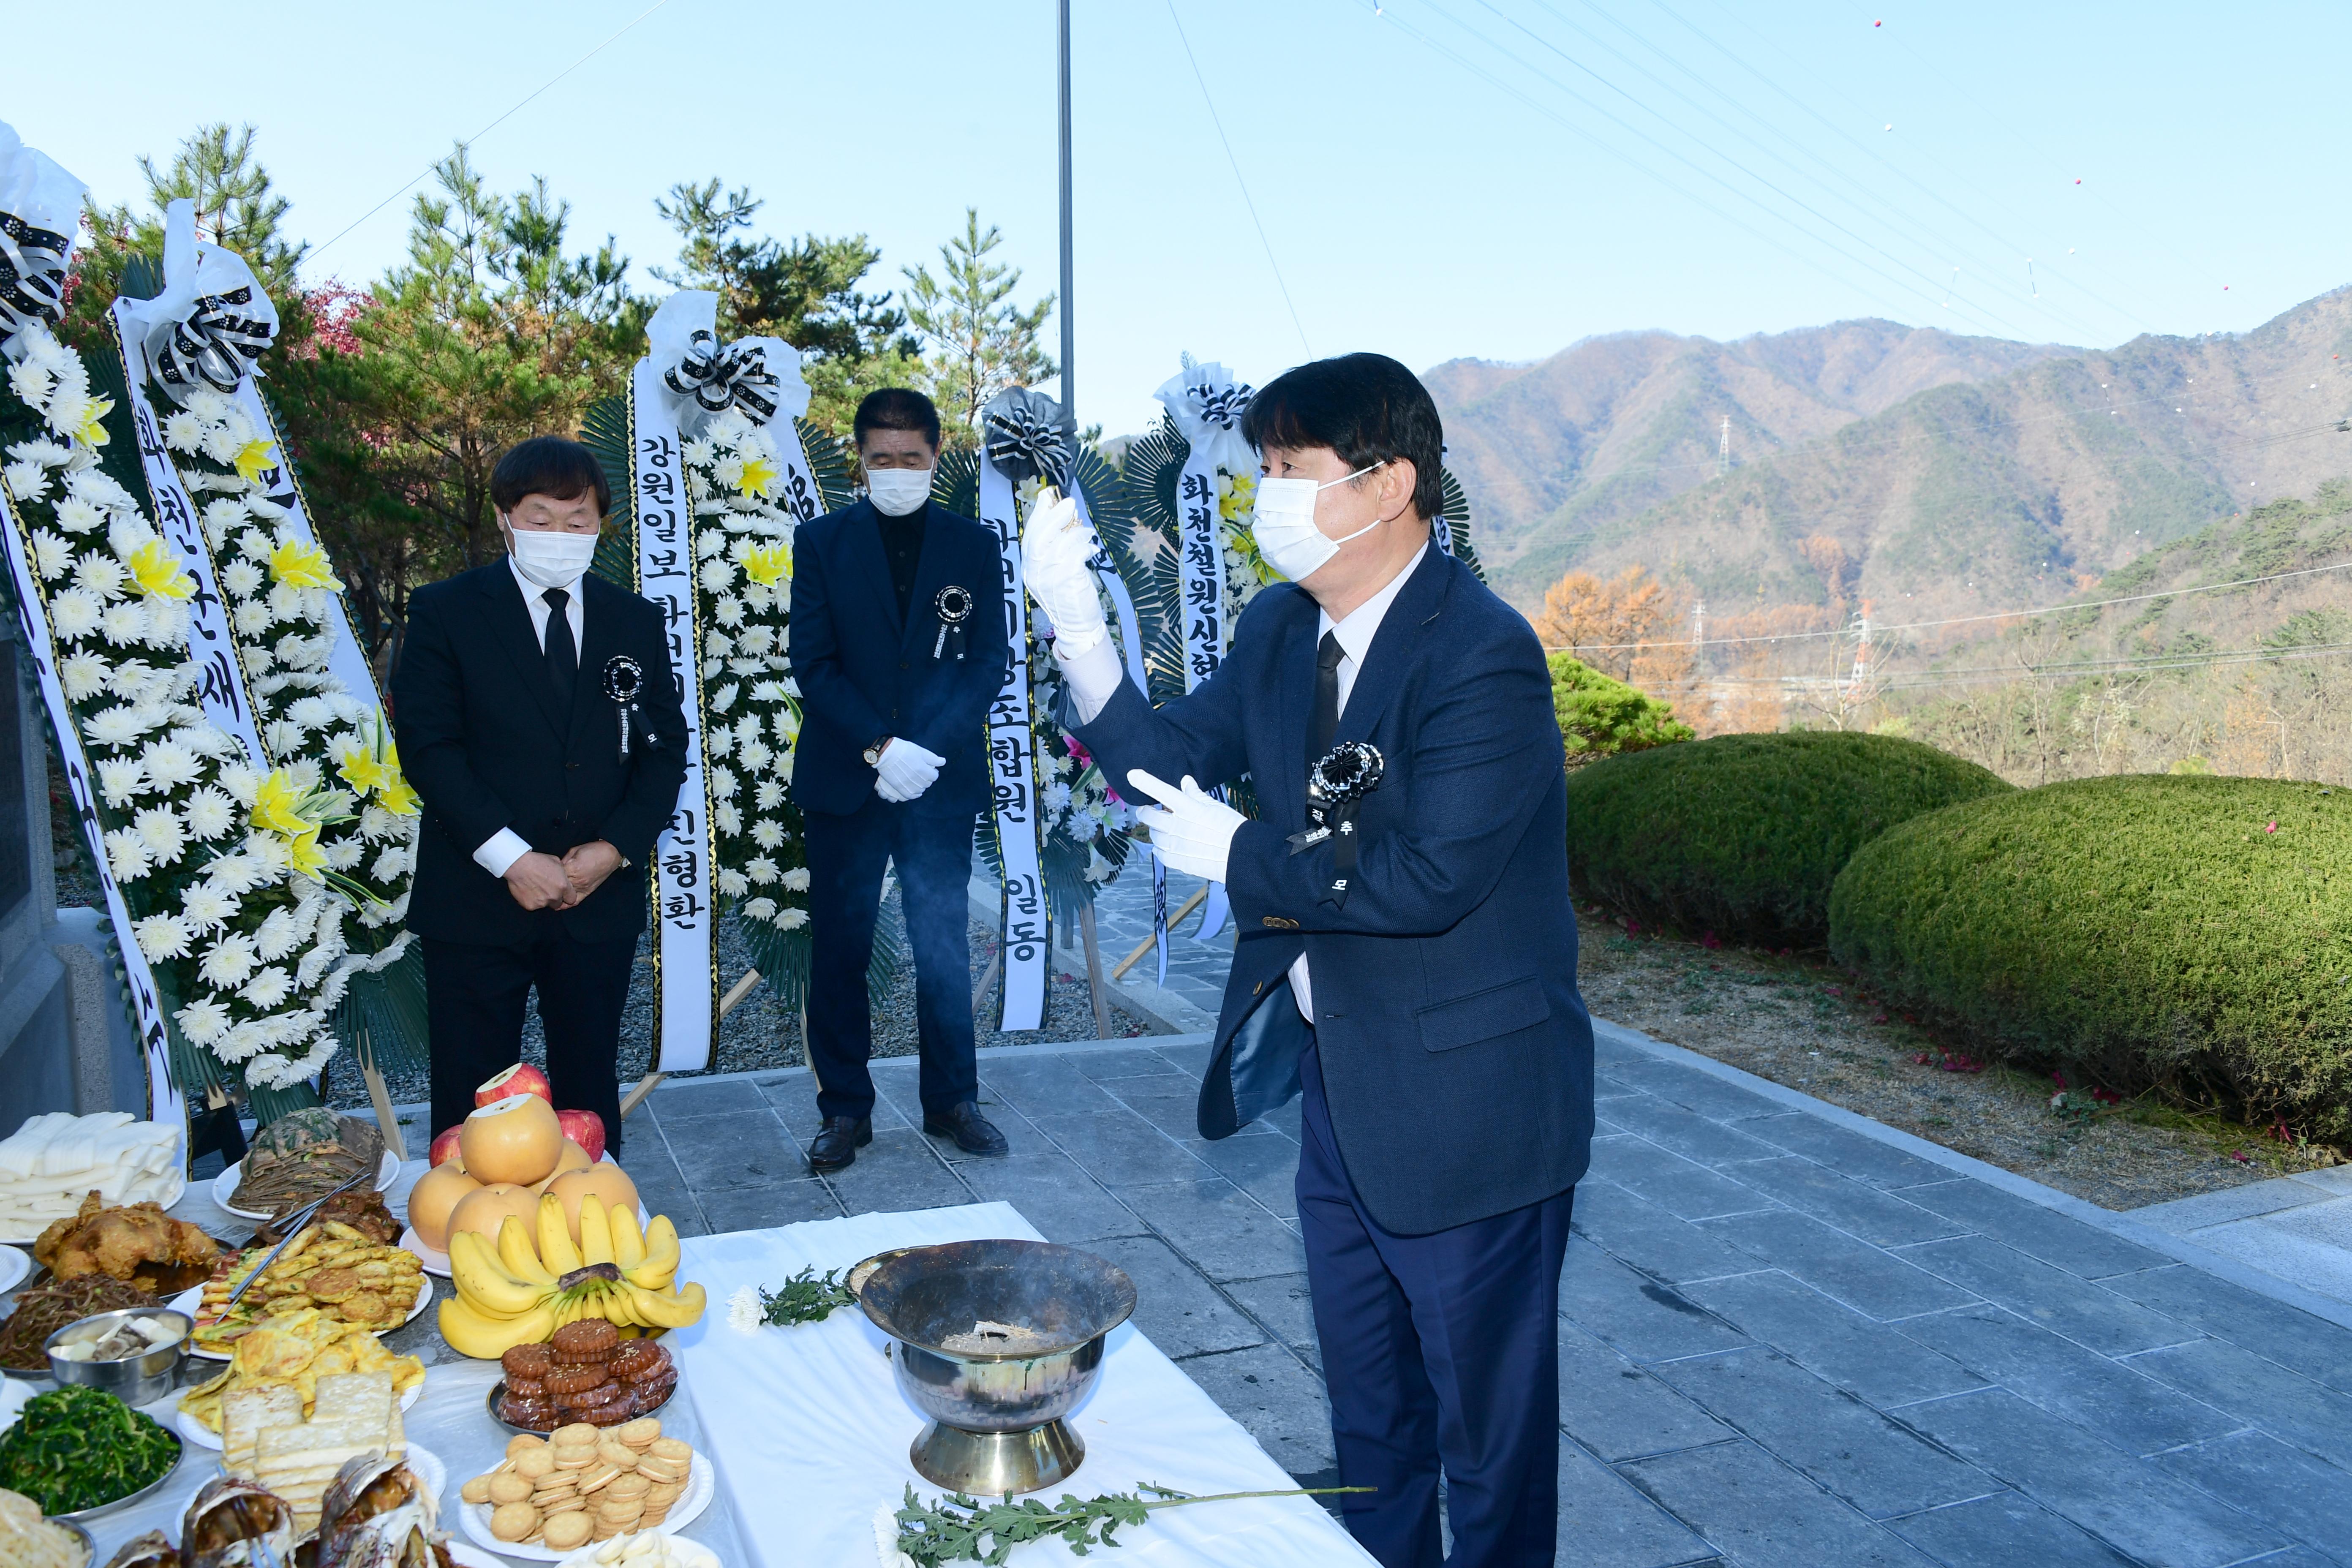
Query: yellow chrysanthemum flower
pixel 760 476
pixel 301 565
pixel 91 431
pixel 768 564
pixel 277 808
pixel 253 459
pixel 157 572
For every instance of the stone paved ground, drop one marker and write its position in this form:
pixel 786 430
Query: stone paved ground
pixel 1783 1340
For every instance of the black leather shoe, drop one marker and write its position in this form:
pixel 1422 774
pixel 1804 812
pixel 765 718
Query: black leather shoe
pixel 838 1142
pixel 973 1133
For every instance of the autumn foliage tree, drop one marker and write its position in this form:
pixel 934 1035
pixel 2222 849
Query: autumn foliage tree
pixel 1630 626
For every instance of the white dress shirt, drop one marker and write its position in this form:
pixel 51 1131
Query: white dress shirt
pixel 1095 674
pixel 506 846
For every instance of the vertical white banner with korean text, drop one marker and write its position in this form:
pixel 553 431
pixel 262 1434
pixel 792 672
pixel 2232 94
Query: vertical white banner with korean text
pixel 163 1101
pixel 686 914
pixel 222 690
pixel 1013 762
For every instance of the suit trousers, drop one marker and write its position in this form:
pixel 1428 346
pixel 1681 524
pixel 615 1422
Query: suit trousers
pixel 933 850
pixel 474 996
pixel 1439 1351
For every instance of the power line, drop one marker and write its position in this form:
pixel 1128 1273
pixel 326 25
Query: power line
pixel 493 125
pixel 1238 180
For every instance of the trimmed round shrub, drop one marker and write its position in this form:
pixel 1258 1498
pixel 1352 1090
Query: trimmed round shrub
pixel 1742 835
pixel 1600 716
pixel 2188 935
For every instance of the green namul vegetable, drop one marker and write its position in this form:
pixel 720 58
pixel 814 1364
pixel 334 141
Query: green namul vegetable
pixel 74 1448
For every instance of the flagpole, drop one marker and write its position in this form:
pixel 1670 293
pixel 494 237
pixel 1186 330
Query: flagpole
pixel 1069 331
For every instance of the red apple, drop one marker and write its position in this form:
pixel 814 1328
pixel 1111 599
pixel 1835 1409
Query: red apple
pixel 445 1147
pixel 586 1129
pixel 520 1078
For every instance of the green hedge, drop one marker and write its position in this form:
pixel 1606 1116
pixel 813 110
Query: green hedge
pixel 1742 835
pixel 2157 932
pixel 1600 716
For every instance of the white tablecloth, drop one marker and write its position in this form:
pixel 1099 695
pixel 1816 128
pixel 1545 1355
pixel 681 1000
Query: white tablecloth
pixel 809 1432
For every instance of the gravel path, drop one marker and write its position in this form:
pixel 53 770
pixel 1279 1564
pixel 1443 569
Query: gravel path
pixel 1800 1022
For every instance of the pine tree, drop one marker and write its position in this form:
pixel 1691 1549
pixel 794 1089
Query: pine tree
pixel 981 343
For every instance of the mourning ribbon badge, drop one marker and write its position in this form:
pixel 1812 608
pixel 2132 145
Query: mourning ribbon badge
pixel 1335 786
pixel 953 606
pixel 624 679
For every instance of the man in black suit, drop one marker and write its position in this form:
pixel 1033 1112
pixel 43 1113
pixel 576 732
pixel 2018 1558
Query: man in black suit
pixel 898 643
pixel 531 870
pixel 1406 955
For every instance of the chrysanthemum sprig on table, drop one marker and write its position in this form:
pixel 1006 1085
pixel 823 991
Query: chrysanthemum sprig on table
pixel 961 1529
pixel 743 554
pixel 251 946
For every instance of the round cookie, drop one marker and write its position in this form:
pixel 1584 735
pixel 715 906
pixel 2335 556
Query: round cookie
pixel 513 1521
pixel 568 1532
pixel 519 1445
pixel 537 1463
pixel 475 1490
pixel 508 1487
pixel 641 1433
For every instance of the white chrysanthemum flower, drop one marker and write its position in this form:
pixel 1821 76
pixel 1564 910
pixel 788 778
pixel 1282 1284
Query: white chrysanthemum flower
pixel 730 820
pixel 207 909
pixel 313 964
pixel 52 556
pixel 796 880
pixel 767 796
pixel 755 756
pixel 209 404
pixel 228 961
pixel 125 855
pixel 733 883
pixel 727 611
pixel 376 822
pixel 1057 797
pixel 281 736
pixel 267 989
pixel 760 909
pixel 305 774
pixel 723 784
pixel 83 675
pixel 169 763
pixel 761 869
pixel 242 780
pixel 768 691
pixel 121 780
pixel 767 835
pixel 716 574
pixel 279 934
pixel 729 472
pixel 344 852
pixel 242 578
pixel 222 446
pixel 312 712
pixel 719 742
pixel 885 1540
pixel 724 697
pixel 759 641
pixel 182 431
pixel 204 1022
pixel 743 1311
pixel 98 574
pixel 167 624
pixel 117 726
pixel 76 515
pixel 161 834
pixel 74 614
pixel 31 379
pixel 235 872
pixel 163 936
pixel 791 920
pixel 393 864
pixel 26 482
pixel 124 623
pixel 699 452
pixel 710 542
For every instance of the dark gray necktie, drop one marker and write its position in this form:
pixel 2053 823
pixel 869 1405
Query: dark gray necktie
pixel 563 653
pixel 1326 722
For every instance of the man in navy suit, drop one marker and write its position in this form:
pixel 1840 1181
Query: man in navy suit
pixel 899 644
pixel 1406 955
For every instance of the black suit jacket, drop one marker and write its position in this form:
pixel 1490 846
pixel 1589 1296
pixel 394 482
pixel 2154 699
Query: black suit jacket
pixel 481 740
pixel 1456 1053
pixel 864 673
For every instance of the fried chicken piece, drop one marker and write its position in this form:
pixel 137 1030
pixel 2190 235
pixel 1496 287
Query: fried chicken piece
pixel 135 1242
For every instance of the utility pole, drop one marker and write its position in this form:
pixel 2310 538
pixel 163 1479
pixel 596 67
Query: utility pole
pixel 1069 327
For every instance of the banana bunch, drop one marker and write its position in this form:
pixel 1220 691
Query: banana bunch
pixel 518 1289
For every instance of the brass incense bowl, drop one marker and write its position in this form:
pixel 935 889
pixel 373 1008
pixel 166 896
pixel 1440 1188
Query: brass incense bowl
pixel 997 1342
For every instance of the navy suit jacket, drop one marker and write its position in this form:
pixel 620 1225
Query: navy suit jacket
pixel 473 709
pixel 1456 1053
pixel 864 673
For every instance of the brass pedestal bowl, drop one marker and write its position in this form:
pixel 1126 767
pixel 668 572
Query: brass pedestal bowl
pixel 997 1342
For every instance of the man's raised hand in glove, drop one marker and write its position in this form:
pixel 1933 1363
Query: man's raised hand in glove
pixel 1055 550
pixel 1191 830
pixel 905 770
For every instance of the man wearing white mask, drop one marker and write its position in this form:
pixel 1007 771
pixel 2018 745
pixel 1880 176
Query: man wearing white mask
pixel 539 827
pixel 1406 950
pixel 898 643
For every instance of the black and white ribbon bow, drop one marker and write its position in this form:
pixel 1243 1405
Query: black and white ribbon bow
pixel 1219 406
pixel 32 275
pixel 1024 437
pixel 719 378
pixel 214 345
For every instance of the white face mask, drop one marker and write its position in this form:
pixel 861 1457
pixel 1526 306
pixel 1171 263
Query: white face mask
pixel 1284 526
pixel 895 492
pixel 551 559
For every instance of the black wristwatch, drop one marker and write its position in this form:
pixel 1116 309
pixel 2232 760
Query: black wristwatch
pixel 873 753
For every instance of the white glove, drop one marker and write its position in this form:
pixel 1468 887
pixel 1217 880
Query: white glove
pixel 1055 550
pixel 1191 830
pixel 905 770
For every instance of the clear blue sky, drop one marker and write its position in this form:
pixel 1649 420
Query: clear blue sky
pixel 1494 178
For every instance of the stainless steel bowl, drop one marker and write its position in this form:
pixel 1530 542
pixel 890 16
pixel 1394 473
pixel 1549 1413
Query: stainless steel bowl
pixel 73 1528
pixel 139 1379
pixel 996 1415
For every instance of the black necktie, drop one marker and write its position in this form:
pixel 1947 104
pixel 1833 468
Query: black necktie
pixel 563 653
pixel 1326 722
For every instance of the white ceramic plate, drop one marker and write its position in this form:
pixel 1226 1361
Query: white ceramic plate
pixel 202 1437
pixel 14 1393
pixel 701 1483
pixel 694 1553
pixel 173 1192
pixel 436 1264
pixel 14 1265
pixel 189 1299
pixel 388 1171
